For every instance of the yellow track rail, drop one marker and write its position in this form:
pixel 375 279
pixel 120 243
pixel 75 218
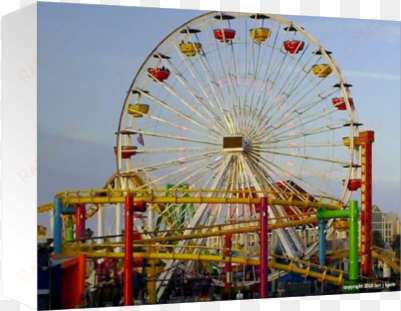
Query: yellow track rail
pixel 377 253
pixel 157 196
pixel 210 234
pixel 290 267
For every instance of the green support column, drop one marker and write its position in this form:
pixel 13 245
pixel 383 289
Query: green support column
pixel 69 231
pixel 353 215
pixel 353 241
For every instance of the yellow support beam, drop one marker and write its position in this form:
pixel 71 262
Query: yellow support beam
pixel 210 258
pixel 107 196
pixel 45 208
pixel 157 196
pixel 216 233
pixel 152 288
pixel 375 254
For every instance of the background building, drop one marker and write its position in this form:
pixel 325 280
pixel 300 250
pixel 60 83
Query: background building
pixel 388 224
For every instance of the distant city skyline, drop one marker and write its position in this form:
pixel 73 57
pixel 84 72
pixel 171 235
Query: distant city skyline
pixel 92 66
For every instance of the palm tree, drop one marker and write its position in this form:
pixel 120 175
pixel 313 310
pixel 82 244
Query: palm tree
pixel 395 245
pixel 378 239
pixel 88 233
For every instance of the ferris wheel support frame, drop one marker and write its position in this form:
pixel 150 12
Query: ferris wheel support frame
pixel 281 232
pixel 100 223
pixel 168 271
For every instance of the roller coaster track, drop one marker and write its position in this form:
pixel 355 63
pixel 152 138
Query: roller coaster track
pixel 90 212
pixel 291 266
pixel 377 253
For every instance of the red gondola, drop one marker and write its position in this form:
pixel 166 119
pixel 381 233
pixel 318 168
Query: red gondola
pixel 126 151
pixel 159 74
pixel 339 103
pixel 293 47
pixel 354 184
pixel 224 35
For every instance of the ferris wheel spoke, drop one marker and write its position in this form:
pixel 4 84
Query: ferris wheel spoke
pixel 198 216
pixel 181 138
pixel 197 98
pixel 279 105
pixel 187 169
pixel 209 73
pixel 169 208
pixel 304 145
pixel 304 112
pixel 249 127
pixel 215 79
pixel 176 111
pixel 227 72
pixel 280 93
pixel 273 185
pixel 201 171
pixel 322 174
pixel 169 164
pixel 184 101
pixel 293 90
pixel 304 102
pixel 237 111
pixel 271 167
pixel 306 157
pixel 219 60
pixel 248 64
pixel 263 179
pixel 268 73
pixel 176 150
pixel 292 127
pixel 199 178
pixel 212 215
pixel 182 127
pixel 295 135
pixel 297 64
pixel 246 184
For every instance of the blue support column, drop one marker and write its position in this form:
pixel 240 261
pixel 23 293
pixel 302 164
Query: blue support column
pixel 58 226
pixel 322 243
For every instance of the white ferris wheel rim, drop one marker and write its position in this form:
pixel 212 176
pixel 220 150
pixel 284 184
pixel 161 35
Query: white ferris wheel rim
pixel 354 132
pixel 351 111
pixel 142 71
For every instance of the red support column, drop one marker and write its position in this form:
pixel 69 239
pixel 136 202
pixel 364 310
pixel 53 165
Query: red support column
pixel 366 140
pixel 228 246
pixel 80 221
pixel 263 248
pixel 128 249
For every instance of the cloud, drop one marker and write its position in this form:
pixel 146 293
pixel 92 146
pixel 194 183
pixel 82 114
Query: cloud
pixel 370 75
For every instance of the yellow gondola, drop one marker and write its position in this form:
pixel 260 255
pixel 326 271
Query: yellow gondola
pixel 322 71
pixel 260 34
pixel 138 110
pixel 347 142
pixel 190 48
pixel 341 225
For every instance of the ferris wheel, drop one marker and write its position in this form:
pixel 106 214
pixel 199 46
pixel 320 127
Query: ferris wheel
pixel 238 101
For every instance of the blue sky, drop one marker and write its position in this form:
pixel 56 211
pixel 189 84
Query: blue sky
pixel 87 77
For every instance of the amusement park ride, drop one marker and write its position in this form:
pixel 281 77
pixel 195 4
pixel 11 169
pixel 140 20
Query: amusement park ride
pixel 250 136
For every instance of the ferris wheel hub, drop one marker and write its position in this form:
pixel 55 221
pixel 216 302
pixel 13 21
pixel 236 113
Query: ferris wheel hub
pixel 233 143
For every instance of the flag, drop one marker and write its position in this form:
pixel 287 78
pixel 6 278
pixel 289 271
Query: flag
pixel 140 140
